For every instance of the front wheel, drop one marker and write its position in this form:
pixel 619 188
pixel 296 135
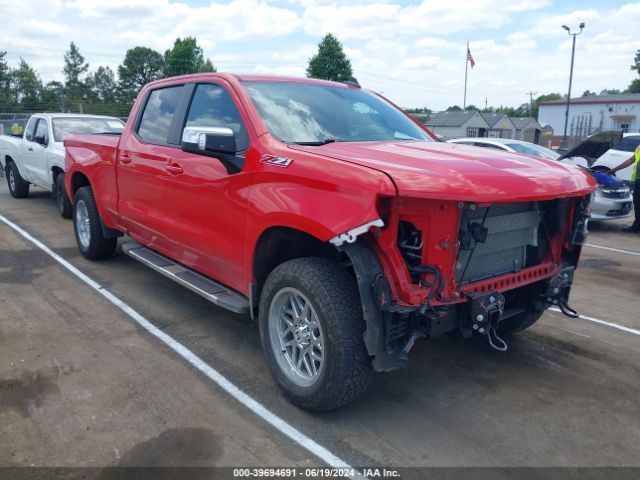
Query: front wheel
pixel 18 187
pixel 311 326
pixel 62 199
pixel 88 228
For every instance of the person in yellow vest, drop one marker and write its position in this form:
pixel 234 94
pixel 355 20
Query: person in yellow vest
pixel 635 178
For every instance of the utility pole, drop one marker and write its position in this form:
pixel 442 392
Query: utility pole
pixel 573 53
pixel 486 103
pixel 531 94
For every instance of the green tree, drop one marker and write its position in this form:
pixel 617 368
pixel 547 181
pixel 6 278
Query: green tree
pixel 51 97
pixel 634 86
pixel 454 108
pixel 330 63
pixel 25 88
pixel 549 97
pixel 102 84
pixel 610 91
pixel 140 66
pixel 636 63
pixel 419 110
pixel 186 57
pixel 74 68
pixel 5 83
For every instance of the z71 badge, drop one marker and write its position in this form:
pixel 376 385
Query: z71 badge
pixel 276 161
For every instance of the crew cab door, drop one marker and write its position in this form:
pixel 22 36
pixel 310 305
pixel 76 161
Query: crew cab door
pixel 38 164
pixel 28 151
pixel 143 157
pixel 205 202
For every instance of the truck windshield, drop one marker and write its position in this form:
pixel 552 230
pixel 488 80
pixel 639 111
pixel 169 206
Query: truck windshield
pixel 64 126
pixel 314 114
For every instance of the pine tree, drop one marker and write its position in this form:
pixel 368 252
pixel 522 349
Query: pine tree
pixel 330 63
pixel 186 57
pixel 140 66
pixel 74 68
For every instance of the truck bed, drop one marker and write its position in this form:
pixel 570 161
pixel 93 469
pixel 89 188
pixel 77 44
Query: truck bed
pixel 81 146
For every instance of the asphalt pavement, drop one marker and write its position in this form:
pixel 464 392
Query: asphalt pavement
pixel 82 384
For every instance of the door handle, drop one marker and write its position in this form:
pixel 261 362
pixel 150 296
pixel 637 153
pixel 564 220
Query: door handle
pixel 30 149
pixel 174 169
pixel 125 158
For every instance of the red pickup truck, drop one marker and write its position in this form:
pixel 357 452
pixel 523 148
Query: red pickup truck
pixel 335 219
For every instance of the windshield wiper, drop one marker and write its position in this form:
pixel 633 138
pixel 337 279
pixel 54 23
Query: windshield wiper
pixel 317 144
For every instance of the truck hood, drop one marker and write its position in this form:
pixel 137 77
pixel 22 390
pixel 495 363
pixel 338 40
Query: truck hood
pixel 458 172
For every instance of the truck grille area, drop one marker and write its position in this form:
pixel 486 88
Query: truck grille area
pixel 497 240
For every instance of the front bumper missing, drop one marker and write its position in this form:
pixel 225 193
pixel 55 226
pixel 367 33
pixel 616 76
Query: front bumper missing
pixel 557 292
pixel 481 313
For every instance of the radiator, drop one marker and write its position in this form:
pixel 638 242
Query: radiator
pixel 511 229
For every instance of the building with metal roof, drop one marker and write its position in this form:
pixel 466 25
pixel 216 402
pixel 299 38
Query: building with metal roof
pixel 458 123
pixel 500 125
pixel 527 129
pixel 590 114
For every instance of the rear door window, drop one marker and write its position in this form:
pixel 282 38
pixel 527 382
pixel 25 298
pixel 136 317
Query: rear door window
pixel 158 115
pixel 628 144
pixel 212 106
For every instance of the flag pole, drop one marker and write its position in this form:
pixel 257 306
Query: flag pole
pixel 466 68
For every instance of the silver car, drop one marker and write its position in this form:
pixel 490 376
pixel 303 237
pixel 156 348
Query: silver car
pixel 612 199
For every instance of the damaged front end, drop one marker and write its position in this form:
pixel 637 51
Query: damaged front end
pixel 441 267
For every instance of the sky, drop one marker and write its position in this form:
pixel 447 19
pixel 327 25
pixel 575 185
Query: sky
pixel 413 52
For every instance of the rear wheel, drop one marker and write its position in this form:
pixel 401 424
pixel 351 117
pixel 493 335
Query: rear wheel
pixel 18 187
pixel 88 228
pixel 62 199
pixel 311 326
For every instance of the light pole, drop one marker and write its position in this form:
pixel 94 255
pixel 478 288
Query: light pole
pixel 573 52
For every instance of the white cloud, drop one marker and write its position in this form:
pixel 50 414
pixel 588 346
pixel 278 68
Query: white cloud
pixel 413 51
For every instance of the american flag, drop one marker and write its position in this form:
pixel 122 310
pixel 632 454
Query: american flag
pixel 470 58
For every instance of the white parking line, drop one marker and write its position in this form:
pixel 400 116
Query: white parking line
pixel 611 249
pixel 603 322
pixel 256 407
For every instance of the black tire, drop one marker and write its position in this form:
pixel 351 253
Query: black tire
pixel 333 295
pixel 95 246
pixel 522 321
pixel 62 199
pixel 18 187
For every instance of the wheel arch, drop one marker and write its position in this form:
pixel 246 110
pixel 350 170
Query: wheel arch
pixel 55 171
pixel 278 244
pixel 78 180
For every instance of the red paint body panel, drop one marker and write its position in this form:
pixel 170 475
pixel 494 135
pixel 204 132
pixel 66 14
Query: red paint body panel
pixel 212 221
pixel 445 171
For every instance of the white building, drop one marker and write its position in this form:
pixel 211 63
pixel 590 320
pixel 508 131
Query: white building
pixel 591 114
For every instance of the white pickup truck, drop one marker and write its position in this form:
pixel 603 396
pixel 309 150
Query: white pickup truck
pixel 37 158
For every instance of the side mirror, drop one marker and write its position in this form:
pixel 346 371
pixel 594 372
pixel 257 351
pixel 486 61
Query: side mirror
pixel 40 139
pixel 218 142
pixel 209 140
